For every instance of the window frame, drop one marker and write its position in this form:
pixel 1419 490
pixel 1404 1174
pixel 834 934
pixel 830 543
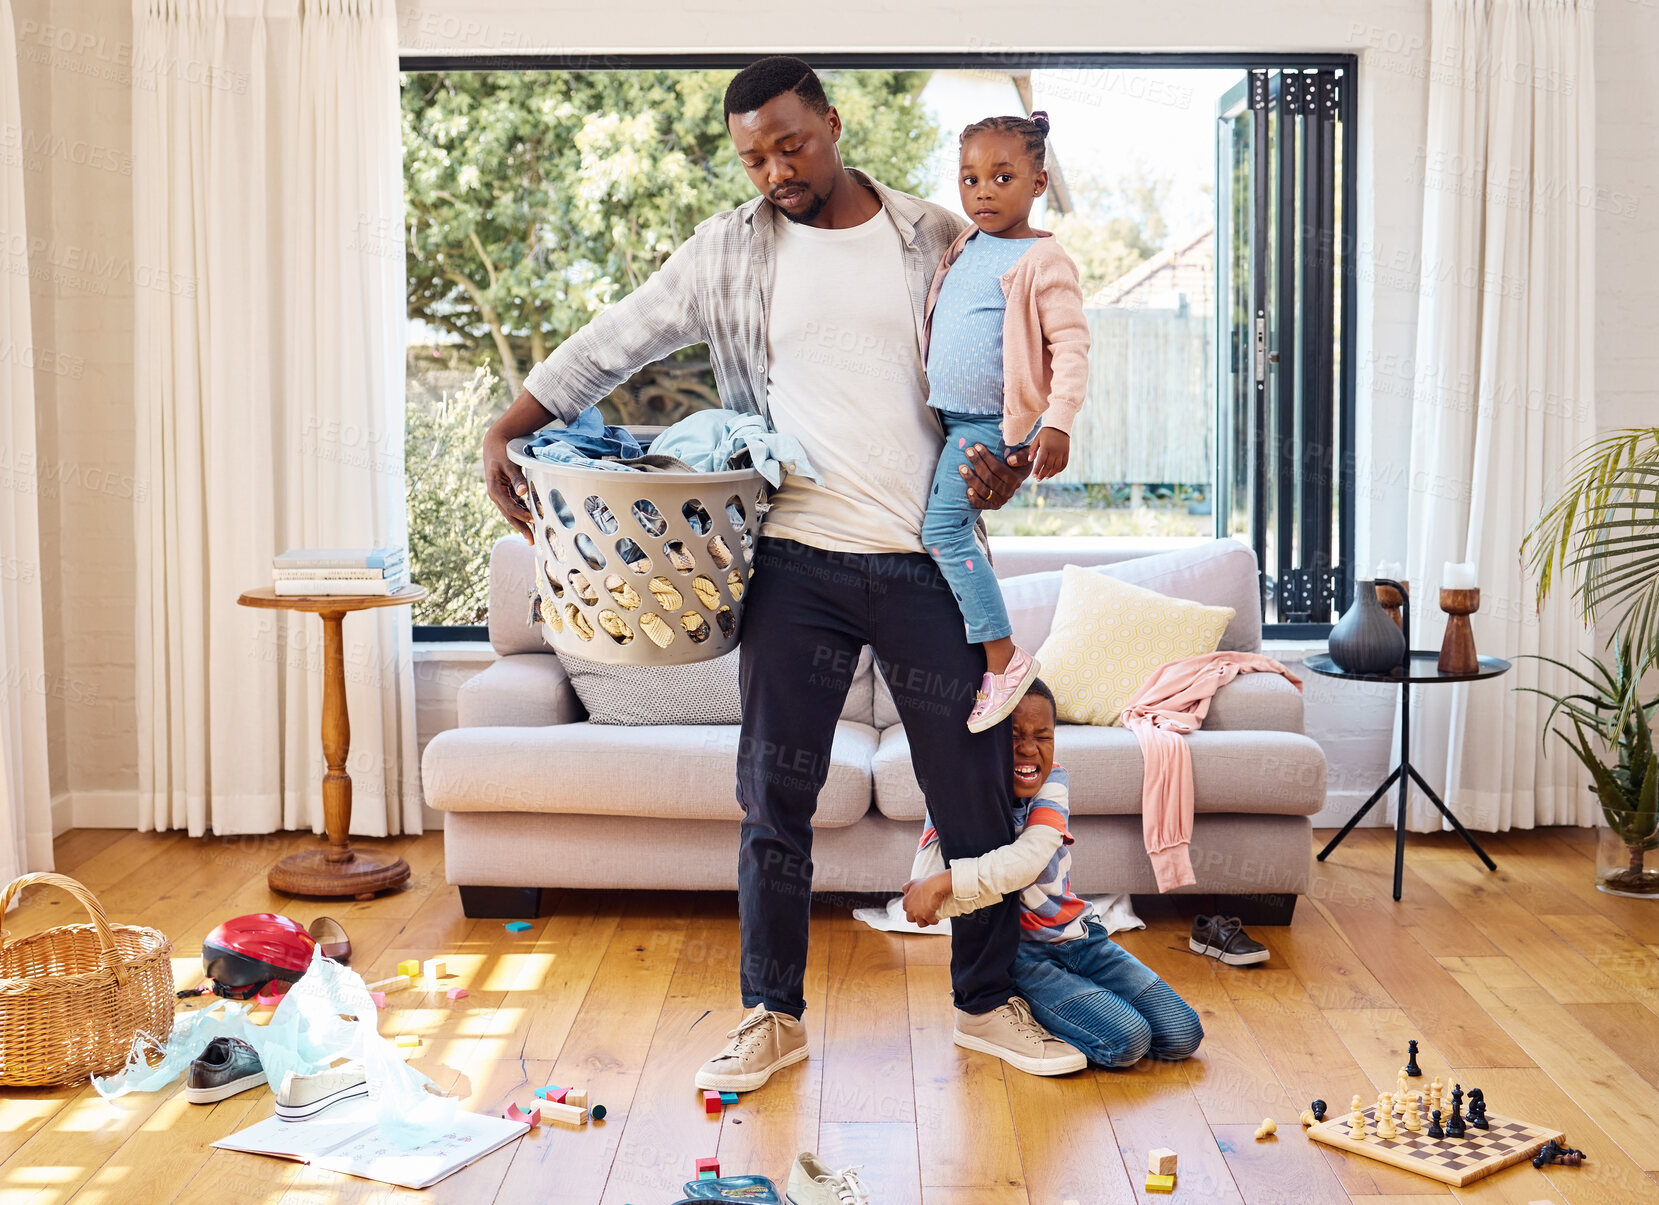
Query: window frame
pixel 886 60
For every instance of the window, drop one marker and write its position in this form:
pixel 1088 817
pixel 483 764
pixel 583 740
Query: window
pixel 539 192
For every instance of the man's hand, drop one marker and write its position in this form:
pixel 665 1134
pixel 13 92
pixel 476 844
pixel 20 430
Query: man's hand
pixel 1053 451
pixel 924 897
pixel 502 478
pixel 991 481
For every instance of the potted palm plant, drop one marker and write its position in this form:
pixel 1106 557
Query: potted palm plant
pixel 1603 531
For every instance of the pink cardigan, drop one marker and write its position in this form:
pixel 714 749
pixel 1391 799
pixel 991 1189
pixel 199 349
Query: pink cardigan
pixel 1045 340
pixel 1172 704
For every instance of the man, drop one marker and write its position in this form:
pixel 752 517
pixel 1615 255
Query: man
pixel 810 299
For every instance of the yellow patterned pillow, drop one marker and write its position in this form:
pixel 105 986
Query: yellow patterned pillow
pixel 1109 638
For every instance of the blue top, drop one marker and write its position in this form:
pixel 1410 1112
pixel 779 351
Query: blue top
pixel 964 355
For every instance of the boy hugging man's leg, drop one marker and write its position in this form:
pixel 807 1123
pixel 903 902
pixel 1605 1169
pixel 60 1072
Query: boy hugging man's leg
pixel 1077 981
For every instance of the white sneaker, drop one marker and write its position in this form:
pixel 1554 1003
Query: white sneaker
pixel 303 1096
pixel 811 1182
pixel 762 1043
pixel 1010 1032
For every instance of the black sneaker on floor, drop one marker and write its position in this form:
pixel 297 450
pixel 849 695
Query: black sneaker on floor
pixel 1224 938
pixel 226 1067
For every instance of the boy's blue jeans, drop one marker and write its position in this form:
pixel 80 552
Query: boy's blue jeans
pixel 948 527
pixel 1103 1000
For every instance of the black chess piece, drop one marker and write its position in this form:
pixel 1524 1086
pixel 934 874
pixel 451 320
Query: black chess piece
pixel 1318 1108
pixel 1434 1125
pixel 1548 1154
pixel 1412 1068
pixel 1455 1123
pixel 1477 1109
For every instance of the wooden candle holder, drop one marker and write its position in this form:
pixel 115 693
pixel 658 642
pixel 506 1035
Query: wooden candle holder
pixel 1390 598
pixel 1457 650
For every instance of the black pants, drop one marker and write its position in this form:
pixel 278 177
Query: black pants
pixel 806 619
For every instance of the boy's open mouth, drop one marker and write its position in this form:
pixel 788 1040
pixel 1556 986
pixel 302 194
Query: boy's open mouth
pixel 1025 772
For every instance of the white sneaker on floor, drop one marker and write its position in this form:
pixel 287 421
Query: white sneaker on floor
pixel 302 1096
pixel 1010 1032
pixel 762 1043
pixel 811 1182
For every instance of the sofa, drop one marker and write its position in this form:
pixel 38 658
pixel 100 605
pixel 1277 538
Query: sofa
pixel 536 796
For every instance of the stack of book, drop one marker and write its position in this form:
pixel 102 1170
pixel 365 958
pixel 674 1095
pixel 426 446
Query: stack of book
pixel 314 571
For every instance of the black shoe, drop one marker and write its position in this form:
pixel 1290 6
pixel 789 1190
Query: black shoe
pixel 1224 938
pixel 226 1067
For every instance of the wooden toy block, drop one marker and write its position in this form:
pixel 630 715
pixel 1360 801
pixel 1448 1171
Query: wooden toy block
pixel 410 967
pixel 435 968
pixel 396 983
pixel 577 1097
pixel 517 926
pixel 597 1113
pixel 707 1176
pixel 728 1098
pixel 1161 1162
pixel 405 1040
pixel 569 1115
pixel 711 1103
pixel 1155 1183
pixel 708 1164
pixel 457 993
pixel 531 1119
pixel 553 1093
pixel 379 999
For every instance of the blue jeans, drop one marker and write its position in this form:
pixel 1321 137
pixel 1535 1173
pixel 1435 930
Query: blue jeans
pixel 1104 1001
pixel 948 527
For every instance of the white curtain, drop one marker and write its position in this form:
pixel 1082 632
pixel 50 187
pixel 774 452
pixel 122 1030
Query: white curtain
pixel 268 188
pixel 25 789
pixel 1505 391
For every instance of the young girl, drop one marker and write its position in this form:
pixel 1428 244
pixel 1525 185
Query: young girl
pixel 1007 352
pixel 1080 985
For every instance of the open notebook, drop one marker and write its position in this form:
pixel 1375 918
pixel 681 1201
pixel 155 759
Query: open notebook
pixel 345 1139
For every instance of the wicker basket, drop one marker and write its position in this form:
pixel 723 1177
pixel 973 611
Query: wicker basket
pixel 73 998
pixel 641 568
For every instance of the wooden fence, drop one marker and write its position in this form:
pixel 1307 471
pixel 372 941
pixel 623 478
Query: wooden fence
pixel 1150 413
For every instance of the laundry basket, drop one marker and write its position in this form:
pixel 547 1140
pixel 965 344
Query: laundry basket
pixel 641 568
pixel 73 997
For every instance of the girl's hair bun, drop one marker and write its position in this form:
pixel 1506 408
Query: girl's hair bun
pixel 1040 120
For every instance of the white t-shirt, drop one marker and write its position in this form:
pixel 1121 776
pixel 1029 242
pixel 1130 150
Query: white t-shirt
pixel 846 379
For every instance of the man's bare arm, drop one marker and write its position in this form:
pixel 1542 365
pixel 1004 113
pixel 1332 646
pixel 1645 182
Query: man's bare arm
pixel 504 479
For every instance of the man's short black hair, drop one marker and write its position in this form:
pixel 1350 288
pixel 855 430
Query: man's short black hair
pixel 1040 688
pixel 769 78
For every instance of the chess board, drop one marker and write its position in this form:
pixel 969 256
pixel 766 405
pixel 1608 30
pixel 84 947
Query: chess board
pixel 1455 1161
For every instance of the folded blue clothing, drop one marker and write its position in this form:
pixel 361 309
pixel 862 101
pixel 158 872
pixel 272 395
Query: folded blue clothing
pixel 710 440
pixel 586 439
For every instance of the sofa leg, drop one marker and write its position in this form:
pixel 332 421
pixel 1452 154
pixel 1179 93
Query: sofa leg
pixel 1271 908
pixel 511 903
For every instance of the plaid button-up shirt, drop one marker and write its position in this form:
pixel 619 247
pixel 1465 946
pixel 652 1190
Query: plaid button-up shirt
pixel 717 289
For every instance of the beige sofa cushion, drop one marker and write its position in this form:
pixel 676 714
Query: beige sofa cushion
pixel 524 690
pixel 1269 773
pixel 665 770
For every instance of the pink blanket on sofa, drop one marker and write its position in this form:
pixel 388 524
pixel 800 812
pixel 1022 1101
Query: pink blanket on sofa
pixel 1172 704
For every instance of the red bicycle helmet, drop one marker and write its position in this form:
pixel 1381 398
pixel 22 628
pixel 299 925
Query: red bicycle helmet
pixel 247 952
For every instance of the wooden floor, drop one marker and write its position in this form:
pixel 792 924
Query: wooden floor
pixel 1527 982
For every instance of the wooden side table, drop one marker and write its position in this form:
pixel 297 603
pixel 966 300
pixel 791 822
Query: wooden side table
pixel 336 868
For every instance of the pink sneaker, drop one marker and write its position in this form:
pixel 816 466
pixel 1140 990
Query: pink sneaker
pixel 1000 693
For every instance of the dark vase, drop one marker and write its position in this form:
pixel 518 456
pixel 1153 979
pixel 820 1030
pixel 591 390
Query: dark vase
pixel 1366 640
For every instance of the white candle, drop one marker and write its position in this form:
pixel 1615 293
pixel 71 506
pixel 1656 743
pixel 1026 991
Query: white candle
pixel 1392 570
pixel 1458 576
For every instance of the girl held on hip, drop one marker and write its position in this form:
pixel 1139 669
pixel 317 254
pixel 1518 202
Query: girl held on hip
pixel 1007 353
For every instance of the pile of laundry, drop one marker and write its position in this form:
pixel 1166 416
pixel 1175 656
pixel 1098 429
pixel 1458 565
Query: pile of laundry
pixel 709 441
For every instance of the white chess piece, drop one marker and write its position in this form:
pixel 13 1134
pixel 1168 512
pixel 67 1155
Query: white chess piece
pixel 1385 1117
pixel 1434 1101
pixel 1413 1119
pixel 1400 1092
pixel 1356 1123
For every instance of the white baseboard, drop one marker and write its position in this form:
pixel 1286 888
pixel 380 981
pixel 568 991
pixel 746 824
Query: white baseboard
pixel 94 809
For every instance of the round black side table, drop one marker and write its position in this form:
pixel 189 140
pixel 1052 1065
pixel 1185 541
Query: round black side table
pixel 1421 668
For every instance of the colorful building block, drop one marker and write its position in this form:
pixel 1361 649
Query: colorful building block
pixel 517 926
pixel 405 1040
pixel 1157 1183
pixel 435 968
pixel 707 1176
pixel 553 1093
pixel 532 1118
pixel 379 999
pixel 597 1112
pixel 728 1098
pixel 711 1103
pixel 410 967
pixel 457 993
pixel 708 1164
pixel 577 1097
